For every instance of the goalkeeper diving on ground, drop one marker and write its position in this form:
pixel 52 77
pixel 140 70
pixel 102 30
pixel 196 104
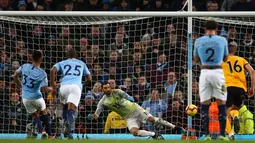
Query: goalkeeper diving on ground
pixel 121 103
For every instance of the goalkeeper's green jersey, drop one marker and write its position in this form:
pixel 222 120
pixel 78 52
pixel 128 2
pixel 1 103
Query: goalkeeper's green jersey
pixel 117 102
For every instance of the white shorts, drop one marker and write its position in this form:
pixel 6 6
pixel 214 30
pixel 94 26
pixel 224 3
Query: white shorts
pixel 34 105
pixel 70 94
pixel 135 120
pixel 212 84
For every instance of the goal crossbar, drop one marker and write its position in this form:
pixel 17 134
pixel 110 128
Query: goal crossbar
pixel 146 14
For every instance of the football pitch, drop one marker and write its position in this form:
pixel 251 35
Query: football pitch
pixel 116 141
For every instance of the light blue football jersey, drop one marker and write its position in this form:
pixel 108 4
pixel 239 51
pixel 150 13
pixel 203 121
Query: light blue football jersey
pixel 33 78
pixel 211 49
pixel 72 71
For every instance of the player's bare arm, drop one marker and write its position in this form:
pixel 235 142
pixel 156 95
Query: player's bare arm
pixel 53 72
pixel 17 80
pixel 196 59
pixel 251 71
pixel 88 82
pixel 88 77
pixel 46 89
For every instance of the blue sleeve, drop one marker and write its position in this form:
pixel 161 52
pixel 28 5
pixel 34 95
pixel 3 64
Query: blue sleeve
pixel 195 49
pixel 19 70
pixel 86 70
pixel 164 106
pixel 225 47
pixel 144 104
pixel 57 65
pixel 44 80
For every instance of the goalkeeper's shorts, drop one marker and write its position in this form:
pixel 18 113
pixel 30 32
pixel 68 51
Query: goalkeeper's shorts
pixel 135 119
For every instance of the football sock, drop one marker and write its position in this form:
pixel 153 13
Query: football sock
pixel 70 119
pixel 47 122
pixel 228 126
pixel 222 119
pixel 38 122
pixel 143 133
pixel 65 112
pixel 205 118
pixel 163 123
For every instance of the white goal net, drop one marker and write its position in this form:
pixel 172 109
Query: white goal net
pixel 144 56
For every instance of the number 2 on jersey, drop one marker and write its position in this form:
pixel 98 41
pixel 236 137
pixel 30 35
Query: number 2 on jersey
pixel 237 68
pixel 211 52
pixel 76 69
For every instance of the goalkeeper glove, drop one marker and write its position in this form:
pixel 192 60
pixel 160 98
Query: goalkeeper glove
pixel 90 117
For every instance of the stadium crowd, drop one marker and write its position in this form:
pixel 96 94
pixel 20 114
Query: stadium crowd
pixel 145 58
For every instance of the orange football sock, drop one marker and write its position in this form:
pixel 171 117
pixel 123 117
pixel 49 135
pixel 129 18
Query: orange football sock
pixel 228 126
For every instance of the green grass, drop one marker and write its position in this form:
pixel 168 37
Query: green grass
pixel 115 141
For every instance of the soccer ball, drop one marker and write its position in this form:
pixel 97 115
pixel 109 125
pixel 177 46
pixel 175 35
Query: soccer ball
pixel 191 110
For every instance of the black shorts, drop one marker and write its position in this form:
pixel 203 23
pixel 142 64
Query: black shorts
pixel 235 96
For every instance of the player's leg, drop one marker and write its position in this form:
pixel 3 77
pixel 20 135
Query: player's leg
pixel 220 93
pixel 134 125
pixel 144 115
pixel 37 122
pixel 237 103
pixel 222 117
pixel 161 122
pixel 72 105
pixel 65 90
pixel 59 119
pixel 32 109
pixel 205 92
pixel 45 118
pixel 229 106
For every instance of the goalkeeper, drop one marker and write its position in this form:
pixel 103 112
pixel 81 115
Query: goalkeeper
pixel 120 102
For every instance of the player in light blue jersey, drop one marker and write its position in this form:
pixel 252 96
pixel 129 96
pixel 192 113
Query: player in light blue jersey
pixel 72 71
pixel 34 80
pixel 211 50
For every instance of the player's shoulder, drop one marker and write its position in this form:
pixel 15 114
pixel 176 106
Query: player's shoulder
pixel 236 58
pixel 217 37
pixel 79 61
pixel 62 62
pixel 200 38
pixel 26 65
pixel 74 60
pixel 118 91
pixel 41 71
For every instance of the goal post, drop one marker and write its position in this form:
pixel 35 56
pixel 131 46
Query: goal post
pixel 38 30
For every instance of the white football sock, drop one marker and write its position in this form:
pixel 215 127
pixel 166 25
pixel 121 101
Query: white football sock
pixel 164 123
pixel 144 133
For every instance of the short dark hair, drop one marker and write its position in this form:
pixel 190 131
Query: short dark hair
pixel 155 36
pixel 37 55
pixel 71 53
pixel 211 25
pixel 105 83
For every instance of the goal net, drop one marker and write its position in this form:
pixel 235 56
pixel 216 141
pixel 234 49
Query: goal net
pixel 147 57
